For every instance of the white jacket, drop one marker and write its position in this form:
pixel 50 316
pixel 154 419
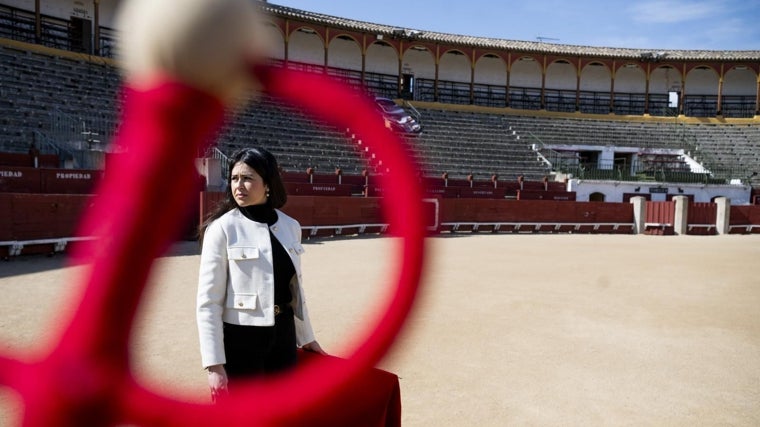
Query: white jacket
pixel 236 281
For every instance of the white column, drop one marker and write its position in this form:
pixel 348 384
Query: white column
pixel 639 214
pixel 681 220
pixel 724 215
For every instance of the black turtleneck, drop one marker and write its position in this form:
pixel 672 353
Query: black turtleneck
pixel 282 265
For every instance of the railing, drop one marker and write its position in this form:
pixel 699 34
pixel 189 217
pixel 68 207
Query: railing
pixel 80 139
pixel 560 100
pixel 415 113
pixel 525 98
pixel 616 171
pixel 489 95
pixel 19 24
pixel 702 168
pixel 738 106
pixel 107 43
pixel 224 160
pixel 47 145
pixel 554 160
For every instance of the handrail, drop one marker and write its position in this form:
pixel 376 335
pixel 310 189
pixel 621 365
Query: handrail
pixel 417 115
pixel 46 144
pixel 224 160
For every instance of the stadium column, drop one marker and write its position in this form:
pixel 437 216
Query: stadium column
pixel 639 214
pixel 681 220
pixel 722 219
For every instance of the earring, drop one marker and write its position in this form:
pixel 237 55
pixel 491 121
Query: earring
pixel 267 194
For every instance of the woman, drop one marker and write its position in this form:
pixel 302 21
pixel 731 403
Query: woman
pixel 251 310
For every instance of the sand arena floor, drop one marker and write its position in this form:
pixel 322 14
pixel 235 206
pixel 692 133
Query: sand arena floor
pixel 509 329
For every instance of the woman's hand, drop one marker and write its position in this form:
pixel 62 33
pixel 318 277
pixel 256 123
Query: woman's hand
pixel 217 381
pixel 314 347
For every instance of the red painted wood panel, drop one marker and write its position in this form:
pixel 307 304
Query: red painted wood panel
pixel 70 181
pixel 485 210
pixel 546 195
pixel 660 212
pixel 702 213
pixel 745 215
pixel 43 216
pixel 26 160
pixel 317 189
pixel 17 179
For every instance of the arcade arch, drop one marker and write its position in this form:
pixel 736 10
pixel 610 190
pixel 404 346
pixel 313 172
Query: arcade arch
pixel 454 72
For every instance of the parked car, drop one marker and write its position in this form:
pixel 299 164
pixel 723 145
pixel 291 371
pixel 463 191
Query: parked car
pixel 398 118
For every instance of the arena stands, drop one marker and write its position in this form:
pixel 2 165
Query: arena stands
pixel 56 99
pixel 66 103
pixel 298 141
pixel 464 143
pixel 63 102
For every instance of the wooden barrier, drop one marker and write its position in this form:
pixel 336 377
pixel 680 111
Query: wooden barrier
pixel 48 181
pixel 27 160
pixel 30 217
pixel 321 178
pixel 17 179
pixel 482 192
pixel 465 192
pixel 744 219
pixel 440 191
pixel 318 189
pixel 546 195
pixel 356 182
pixel 701 218
pixel 294 176
pixel 35 217
pixel 70 181
pixel 660 218
pixel 334 213
pixel 533 211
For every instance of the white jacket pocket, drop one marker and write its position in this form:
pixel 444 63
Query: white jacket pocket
pixel 297 249
pixel 244 301
pixel 240 253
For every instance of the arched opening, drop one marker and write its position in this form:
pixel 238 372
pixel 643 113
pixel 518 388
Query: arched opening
pixel 596 197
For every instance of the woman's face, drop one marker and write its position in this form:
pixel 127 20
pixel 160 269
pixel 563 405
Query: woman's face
pixel 247 186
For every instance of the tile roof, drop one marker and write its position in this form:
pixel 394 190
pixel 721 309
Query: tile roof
pixel 503 44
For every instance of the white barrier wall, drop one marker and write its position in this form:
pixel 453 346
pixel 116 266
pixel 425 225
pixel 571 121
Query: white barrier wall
pixel 613 191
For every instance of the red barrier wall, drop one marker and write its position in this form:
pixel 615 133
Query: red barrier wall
pixel 661 217
pixel 321 210
pixel 318 189
pixel 482 193
pixel 745 215
pixel 316 210
pixel 546 195
pixel 15 179
pixel 294 176
pixel 483 210
pixel 70 181
pixel 320 178
pixel 660 212
pixel 40 216
pixel 26 160
pixel 44 216
pixel 446 192
pixel 703 217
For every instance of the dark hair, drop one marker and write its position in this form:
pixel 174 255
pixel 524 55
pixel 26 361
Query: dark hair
pixel 265 164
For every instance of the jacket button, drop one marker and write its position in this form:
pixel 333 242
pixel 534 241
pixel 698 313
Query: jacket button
pixel 274 228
